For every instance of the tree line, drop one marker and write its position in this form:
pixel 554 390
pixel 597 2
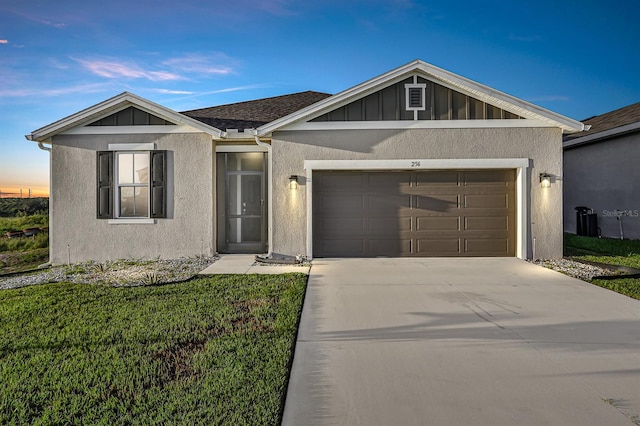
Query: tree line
pixel 13 207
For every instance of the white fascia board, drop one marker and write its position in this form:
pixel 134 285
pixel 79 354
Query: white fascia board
pixel 594 137
pixel 433 73
pixel 126 130
pixel 114 104
pixel 415 124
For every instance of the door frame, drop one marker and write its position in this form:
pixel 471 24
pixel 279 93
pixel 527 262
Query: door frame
pixel 521 165
pixel 265 223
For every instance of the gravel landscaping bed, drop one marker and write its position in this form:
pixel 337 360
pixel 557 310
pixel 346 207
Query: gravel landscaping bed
pixel 575 269
pixel 120 273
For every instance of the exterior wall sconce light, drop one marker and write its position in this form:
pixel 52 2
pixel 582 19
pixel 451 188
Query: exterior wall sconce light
pixel 293 182
pixel 545 180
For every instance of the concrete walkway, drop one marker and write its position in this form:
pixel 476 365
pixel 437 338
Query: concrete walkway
pixel 246 264
pixel 462 342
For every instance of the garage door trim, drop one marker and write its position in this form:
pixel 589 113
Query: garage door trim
pixel 521 165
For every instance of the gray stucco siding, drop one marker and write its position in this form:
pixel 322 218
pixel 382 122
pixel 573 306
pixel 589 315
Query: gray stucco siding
pixel 604 176
pixel 188 230
pixel 543 146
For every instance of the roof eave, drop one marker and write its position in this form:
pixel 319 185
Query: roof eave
pixel 121 101
pixel 485 93
pixel 599 136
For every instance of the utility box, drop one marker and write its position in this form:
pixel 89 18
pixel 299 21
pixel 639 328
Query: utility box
pixel 586 222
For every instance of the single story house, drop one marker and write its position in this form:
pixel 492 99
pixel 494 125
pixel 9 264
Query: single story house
pixel 601 172
pixel 415 162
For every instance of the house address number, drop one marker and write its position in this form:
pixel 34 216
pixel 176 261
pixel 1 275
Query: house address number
pixel 415 164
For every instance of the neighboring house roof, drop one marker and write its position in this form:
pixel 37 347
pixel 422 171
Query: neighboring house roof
pixel 253 114
pixel 114 104
pixel 448 79
pixel 610 124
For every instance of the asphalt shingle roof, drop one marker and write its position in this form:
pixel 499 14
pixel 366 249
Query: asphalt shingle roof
pixel 610 120
pixel 253 114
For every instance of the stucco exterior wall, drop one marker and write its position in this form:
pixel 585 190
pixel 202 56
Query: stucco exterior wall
pixel 604 176
pixel 188 230
pixel 543 146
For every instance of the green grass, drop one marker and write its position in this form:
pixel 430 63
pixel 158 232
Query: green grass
pixel 23 222
pixel 627 286
pixel 603 250
pixel 212 350
pixel 609 251
pixel 22 261
pixel 23 253
pixel 21 244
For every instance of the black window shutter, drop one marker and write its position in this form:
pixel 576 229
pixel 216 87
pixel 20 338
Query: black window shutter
pixel 159 184
pixel 105 185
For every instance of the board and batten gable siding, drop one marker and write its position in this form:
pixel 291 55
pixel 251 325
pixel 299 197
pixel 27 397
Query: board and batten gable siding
pixel 542 146
pixel 188 229
pixel 441 103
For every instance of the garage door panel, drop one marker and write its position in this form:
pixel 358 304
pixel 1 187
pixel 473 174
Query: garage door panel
pixel 484 246
pixel 438 246
pixel 341 206
pixel 437 223
pixel 342 225
pixel 388 181
pixel 486 178
pixel 339 182
pixel 490 223
pixel 388 225
pixel 486 201
pixel 382 205
pixel 414 213
pixel 438 203
pixel 393 247
pixel 437 179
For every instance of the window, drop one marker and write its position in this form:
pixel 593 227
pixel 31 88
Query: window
pixel 131 184
pixel 132 198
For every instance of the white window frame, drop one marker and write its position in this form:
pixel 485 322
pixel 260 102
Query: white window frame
pixel 130 148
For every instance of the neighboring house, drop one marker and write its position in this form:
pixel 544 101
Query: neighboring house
pixel 415 162
pixel 602 172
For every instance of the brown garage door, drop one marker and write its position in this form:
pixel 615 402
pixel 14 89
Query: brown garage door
pixel 407 213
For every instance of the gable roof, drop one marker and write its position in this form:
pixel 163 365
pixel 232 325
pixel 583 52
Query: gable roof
pixel 448 79
pixel 253 114
pixel 613 123
pixel 114 104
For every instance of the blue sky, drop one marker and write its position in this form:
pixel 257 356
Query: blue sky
pixel 577 58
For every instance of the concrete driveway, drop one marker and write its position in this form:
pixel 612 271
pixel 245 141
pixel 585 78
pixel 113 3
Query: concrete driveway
pixel 462 342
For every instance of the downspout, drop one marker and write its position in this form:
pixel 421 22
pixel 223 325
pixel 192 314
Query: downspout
pixel 269 192
pixel 48 149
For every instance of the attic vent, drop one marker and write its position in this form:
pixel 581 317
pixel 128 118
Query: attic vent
pixel 415 94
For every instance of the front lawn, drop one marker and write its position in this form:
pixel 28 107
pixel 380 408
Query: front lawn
pixel 212 350
pixel 610 251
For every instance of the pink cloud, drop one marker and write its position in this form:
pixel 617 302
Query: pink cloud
pixel 4 41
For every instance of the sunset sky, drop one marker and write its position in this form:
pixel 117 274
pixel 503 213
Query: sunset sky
pixel 577 58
